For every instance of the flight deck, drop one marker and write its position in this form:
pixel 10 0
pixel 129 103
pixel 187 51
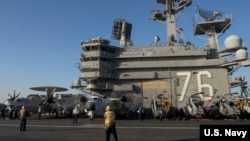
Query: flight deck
pixel 61 129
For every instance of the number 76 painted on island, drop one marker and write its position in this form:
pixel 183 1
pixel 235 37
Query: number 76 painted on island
pixel 200 86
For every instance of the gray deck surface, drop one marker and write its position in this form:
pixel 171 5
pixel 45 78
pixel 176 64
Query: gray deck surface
pixel 85 130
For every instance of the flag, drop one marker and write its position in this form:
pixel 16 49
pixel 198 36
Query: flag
pixel 179 30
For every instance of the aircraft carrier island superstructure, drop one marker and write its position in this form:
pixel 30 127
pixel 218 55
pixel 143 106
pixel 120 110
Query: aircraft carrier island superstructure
pixel 176 70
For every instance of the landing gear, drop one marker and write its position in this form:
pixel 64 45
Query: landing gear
pixel 91 115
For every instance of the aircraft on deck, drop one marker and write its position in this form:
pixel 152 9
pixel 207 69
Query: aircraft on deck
pixel 31 102
pixel 95 106
pixel 70 101
pixel 2 105
pixel 60 103
pixel 50 103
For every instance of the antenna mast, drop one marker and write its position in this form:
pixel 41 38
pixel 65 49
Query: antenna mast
pixel 172 8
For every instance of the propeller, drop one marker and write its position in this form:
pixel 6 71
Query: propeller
pixel 14 95
pixel 50 98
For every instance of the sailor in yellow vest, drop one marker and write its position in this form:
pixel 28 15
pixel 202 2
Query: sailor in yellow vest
pixel 23 118
pixel 109 124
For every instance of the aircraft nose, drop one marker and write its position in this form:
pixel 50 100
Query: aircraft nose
pixel 8 102
pixel 90 106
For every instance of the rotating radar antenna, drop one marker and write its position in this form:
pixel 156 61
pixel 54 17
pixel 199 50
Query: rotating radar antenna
pixel 212 24
pixel 209 15
pixel 211 21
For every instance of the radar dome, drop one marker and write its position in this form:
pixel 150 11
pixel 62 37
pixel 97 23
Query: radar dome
pixel 233 41
pixel 241 54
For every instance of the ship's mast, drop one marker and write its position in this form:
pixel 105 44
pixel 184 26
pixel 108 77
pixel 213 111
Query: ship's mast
pixel 172 8
pixel 171 23
pixel 123 40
